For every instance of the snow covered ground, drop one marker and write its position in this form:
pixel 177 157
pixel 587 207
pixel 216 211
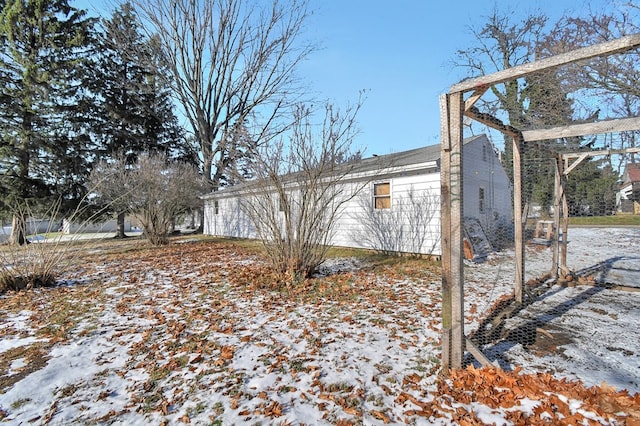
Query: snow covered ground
pixel 194 333
pixel 592 331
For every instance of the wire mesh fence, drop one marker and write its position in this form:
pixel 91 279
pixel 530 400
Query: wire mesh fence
pixel 580 311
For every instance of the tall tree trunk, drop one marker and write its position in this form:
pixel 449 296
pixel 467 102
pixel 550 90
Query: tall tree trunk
pixel 200 229
pixel 120 226
pixel 18 230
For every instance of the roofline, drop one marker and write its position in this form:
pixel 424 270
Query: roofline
pixel 385 172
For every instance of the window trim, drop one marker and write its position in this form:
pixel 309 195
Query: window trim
pixel 482 199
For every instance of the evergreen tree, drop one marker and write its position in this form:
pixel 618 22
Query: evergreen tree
pixel 133 91
pixel 43 143
pixel 547 105
pixel 132 86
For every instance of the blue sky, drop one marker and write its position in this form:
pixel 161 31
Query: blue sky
pixel 400 52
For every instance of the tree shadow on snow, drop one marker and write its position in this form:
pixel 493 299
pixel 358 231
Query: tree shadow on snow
pixel 510 324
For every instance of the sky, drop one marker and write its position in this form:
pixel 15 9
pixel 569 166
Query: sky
pixel 400 53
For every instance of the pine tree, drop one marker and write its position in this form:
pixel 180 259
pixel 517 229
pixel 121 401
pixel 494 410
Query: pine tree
pixel 547 105
pixel 43 47
pixel 135 105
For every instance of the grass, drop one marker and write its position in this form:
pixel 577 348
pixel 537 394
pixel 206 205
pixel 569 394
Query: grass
pixel 616 220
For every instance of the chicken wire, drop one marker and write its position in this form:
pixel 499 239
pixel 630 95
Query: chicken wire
pixel 567 298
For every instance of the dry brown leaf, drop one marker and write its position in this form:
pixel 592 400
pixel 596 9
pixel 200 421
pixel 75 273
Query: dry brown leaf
pixel 381 416
pixel 227 352
pixel 413 378
pixel 353 411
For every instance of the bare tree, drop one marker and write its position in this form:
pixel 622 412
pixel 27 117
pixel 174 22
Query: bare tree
pixel 233 64
pixel 539 100
pixel 411 226
pixel 154 189
pixel 299 189
pixel 608 83
pixel 112 188
pixel 502 43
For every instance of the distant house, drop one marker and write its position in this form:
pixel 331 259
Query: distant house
pixel 628 197
pixel 70 227
pixel 399 208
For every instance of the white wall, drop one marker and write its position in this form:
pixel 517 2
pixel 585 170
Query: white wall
pixel 356 225
pixel 106 226
pixel 482 169
pixel 229 221
pixel 412 224
pixel 408 226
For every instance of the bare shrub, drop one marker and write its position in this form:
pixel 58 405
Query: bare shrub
pixel 412 226
pixel 299 189
pixel 37 263
pixel 155 189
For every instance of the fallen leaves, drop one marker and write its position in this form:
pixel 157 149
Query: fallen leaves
pixel 380 415
pixel 503 390
pixel 226 352
pixel 208 323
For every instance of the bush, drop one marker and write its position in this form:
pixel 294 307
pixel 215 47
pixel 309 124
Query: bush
pixel 37 263
pixel 155 189
pixel 32 264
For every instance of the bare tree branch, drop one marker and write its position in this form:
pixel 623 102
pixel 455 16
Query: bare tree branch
pixel 233 64
pixel 300 189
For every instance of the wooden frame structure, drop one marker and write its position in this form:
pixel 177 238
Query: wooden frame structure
pixel 453 107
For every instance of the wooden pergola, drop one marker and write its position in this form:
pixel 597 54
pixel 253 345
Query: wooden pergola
pixel 456 105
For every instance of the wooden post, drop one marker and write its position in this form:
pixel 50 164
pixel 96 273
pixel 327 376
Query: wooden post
pixel 518 218
pixel 453 339
pixel 456 108
pixel 445 224
pixel 565 222
pixel 557 195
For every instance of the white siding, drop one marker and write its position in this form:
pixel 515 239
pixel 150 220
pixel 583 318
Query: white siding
pixel 412 224
pixel 409 225
pixel 482 169
pixel 230 220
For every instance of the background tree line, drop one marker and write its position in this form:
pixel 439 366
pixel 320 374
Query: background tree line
pixel 602 88
pixel 79 91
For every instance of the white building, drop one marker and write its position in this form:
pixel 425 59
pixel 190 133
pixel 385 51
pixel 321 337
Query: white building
pixel 628 197
pixel 397 206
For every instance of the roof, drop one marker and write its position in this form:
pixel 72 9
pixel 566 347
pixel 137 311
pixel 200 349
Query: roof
pixel 413 157
pixel 408 158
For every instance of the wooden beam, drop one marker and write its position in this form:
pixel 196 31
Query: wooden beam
pixel 575 164
pixel 579 157
pixel 471 100
pixel 583 129
pixel 477 353
pixel 445 224
pixel 518 219
pixel 491 121
pixel 565 224
pixel 607 48
pixel 571 155
pixel 456 106
pixel 565 216
pixel 557 195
